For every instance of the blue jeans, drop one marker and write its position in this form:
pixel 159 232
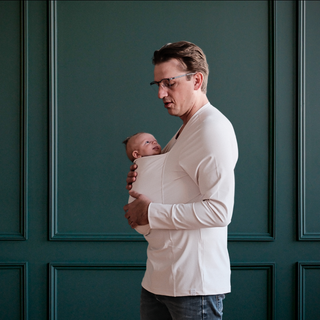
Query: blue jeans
pixel 157 307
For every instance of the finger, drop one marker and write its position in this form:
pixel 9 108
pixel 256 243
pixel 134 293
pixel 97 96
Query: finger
pixel 127 215
pixel 134 194
pixel 133 167
pixel 129 180
pixel 132 224
pixel 132 174
pixel 129 187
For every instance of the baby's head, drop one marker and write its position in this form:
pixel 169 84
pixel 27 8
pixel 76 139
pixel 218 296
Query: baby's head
pixel 140 145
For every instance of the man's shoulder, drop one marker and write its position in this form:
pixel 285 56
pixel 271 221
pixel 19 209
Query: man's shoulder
pixel 213 113
pixel 213 119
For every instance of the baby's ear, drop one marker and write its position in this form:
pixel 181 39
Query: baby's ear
pixel 136 154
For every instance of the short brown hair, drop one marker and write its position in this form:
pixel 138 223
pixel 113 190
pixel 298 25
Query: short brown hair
pixel 191 57
pixel 129 148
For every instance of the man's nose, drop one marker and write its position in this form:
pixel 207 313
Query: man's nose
pixel 162 92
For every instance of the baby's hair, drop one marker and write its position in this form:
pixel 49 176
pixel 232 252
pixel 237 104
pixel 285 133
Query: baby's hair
pixel 125 141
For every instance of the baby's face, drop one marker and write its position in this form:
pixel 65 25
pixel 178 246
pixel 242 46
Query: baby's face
pixel 146 145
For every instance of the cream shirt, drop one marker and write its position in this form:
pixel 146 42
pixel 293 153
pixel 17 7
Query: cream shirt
pixel 149 183
pixel 187 244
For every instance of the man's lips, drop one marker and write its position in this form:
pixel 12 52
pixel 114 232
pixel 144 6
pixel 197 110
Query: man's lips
pixel 166 103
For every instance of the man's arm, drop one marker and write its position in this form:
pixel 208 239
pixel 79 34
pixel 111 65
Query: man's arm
pixel 209 161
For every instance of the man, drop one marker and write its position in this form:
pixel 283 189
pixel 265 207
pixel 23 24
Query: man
pixel 188 267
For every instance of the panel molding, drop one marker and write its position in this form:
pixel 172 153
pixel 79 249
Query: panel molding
pixel 302 267
pixel 271 234
pixel 54 267
pixel 54 233
pixel 23 223
pixel 53 224
pixel 23 268
pixel 303 235
pixel 270 267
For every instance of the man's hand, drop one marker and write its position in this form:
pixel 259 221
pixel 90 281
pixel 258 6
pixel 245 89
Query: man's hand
pixel 137 210
pixel 131 177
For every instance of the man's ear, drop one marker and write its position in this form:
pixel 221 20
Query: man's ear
pixel 198 80
pixel 136 154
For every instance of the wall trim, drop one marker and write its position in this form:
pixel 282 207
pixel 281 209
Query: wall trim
pixel 54 267
pixel 53 226
pixel 270 267
pixel 271 234
pixel 23 268
pixel 303 234
pixel 54 233
pixel 23 223
pixel 302 267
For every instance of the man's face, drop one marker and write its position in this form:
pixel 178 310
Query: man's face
pixel 146 145
pixel 179 98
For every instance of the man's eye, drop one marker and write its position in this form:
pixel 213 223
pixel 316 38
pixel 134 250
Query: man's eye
pixel 166 83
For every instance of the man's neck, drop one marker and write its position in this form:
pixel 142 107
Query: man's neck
pixel 202 101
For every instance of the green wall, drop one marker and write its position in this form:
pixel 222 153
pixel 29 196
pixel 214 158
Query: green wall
pixel 75 83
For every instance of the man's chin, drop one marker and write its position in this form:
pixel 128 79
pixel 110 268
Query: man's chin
pixel 171 112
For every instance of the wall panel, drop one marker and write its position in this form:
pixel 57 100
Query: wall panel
pixel 14 291
pixel 13 121
pixel 253 292
pixel 91 89
pixel 308 117
pixel 308 290
pixel 95 291
pixel 255 199
pixel 91 86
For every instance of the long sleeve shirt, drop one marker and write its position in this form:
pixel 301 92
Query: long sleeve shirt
pixel 187 245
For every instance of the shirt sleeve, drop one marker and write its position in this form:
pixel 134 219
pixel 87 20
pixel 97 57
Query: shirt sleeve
pixel 209 159
pixel 144 229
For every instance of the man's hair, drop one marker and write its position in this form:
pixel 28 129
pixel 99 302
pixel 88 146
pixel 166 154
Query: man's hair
pixel 129 148
pixel 191 57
